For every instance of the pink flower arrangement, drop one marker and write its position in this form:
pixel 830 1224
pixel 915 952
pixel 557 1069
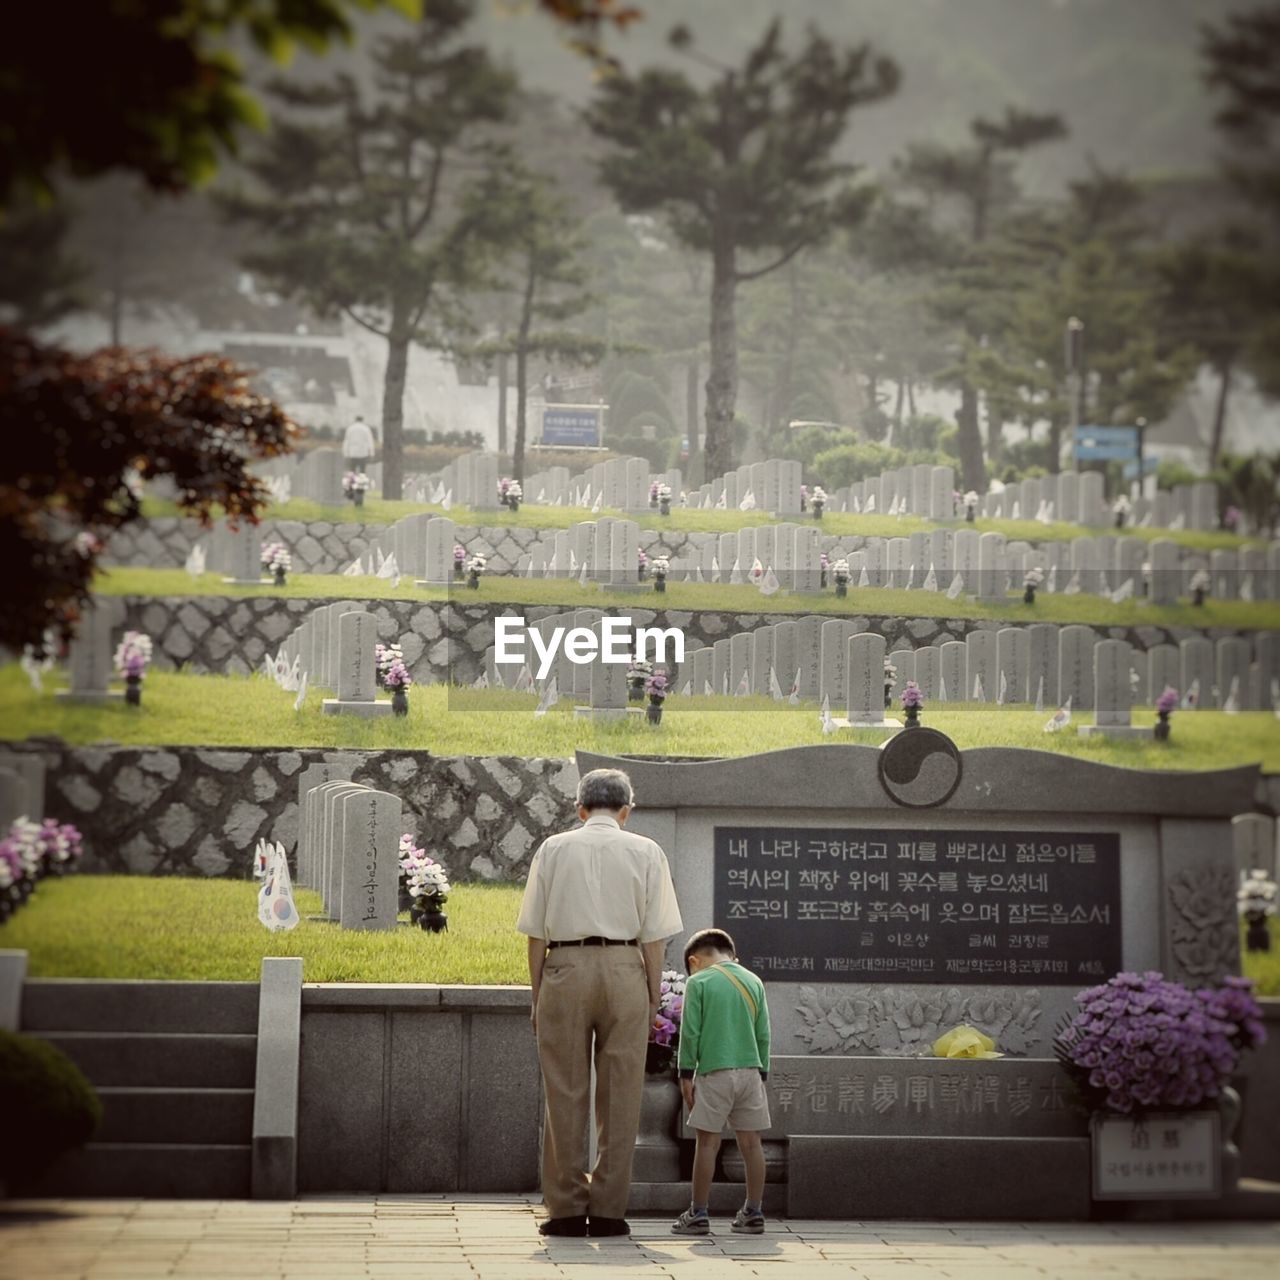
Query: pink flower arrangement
pixel 1142 1043
pixel 912 698
pixel 664 1034
pixel 657 685
pixel 397 676
pixel 459 553
pixel 1167 701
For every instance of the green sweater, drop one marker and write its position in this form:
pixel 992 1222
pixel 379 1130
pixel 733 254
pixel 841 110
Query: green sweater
pixel 717 1030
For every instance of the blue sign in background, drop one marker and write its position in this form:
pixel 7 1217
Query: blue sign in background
pixel 1100 444
pixel 569 426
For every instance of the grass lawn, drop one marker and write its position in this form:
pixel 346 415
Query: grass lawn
pixel 173 928
pixel 1261 615
pixel 380 511
pixel 250 711
pixel 141 927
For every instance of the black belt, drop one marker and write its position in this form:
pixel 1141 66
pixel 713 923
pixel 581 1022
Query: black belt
pixel 594 942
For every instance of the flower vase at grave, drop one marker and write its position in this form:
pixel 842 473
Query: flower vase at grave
pixel 399 702
pixel 653 712
pixel 664 507
pixel 913 717
pixel 1258 935
pixel 817 510
pixel 657 1154
pixel 474 580
pixel 405 903
pixel 660 583
pixel 433 921
pixel 133 690
pixel 635 691
pixel 358 498
pixel 458 570
pixel 1162 727
pixel 842 588
pixel 1197 597
pixel 280 575
pixel 970 514
pixel 1028 594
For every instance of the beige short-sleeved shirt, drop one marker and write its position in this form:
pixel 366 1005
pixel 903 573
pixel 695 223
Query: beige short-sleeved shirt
pixel 599 881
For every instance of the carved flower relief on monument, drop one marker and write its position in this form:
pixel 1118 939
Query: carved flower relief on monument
pixel 905 1021
pixel 1203 931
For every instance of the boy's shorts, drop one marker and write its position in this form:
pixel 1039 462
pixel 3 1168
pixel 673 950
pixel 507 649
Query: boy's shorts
pixel 733 1099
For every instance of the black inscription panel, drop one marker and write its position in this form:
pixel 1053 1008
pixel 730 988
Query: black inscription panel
pixel 852 904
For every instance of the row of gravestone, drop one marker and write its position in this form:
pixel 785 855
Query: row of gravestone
pixel 1071 498
pixel 1042 664
pixel 335 647
pixel 349 847
pixel 315 476
pixel 987 564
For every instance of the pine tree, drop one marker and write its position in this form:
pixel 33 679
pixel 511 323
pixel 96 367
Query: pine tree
pixel 742 167
pixel 366 197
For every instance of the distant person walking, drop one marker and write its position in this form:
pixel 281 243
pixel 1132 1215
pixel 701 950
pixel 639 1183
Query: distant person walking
pixel 598 908
pixel 358 444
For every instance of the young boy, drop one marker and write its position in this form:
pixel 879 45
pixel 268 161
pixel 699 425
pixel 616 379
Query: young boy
pixel 724 1060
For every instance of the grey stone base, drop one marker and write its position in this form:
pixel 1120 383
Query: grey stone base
pixel 448 582
pixel 726 1200
pixel 607 713
pixel 248 582
pixel 1115 731
pixel 898 1177
pixel 88 695
pixel 366 710
pixel 886 727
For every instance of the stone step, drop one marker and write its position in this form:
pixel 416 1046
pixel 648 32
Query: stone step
pixel 165 1060
pixel 186 1171
pixel 725 1198
pixel 222 1117
pixel 91 1004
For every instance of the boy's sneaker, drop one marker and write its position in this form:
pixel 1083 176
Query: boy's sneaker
pixel 695 1224
pixel 748 1222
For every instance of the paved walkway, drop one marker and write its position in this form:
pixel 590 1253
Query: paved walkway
pixel 440 1238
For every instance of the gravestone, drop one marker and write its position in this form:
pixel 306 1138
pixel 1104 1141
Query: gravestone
pixel 809 654
pixel 244 556
pixel 14 798
pixel 873 563
pixel 637 482
pixel 864 678
pixel 1163 670
pixel 588 619
pixel 1013 666
pixel 991 571
pixel 762 660
pixel 745 551
pixel 808 565
pixel 1253 841
pixel 720 657
pixel 928 671
pixel 941 557
pixel 1093 508
pixel 356 675
pixel 834 644
pixel 602 550
pixel 1085 564
pixel 1130 555
pixel 1042 664
pixel 624 555
pixel 324 843
pixel 1112 698
pixel 1075 666
pixel 766 538
pixel 1224 574
pixel 607 687
pixel 323 470
pixel 981 665
pixel 582 543
pixel 91 655
pixel 702 671
pixel 1198 671
pixel 942 484
pixel 1234 656
pixel 785 663
pixel 966 549
pixel 30 767
pixel 784 555
pixel 1166 578
pixel 789 488
pixel 372 824
pixel 953 671
pixel 439 536
pixel 304 850
pixel 904 663
pixel 1204 505
pixel 1068 511
pixel 727 552
pixel 741 658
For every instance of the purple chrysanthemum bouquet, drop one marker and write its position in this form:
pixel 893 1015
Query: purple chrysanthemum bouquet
pixel 664 1034
pixel 1141 1043
pixel 912 698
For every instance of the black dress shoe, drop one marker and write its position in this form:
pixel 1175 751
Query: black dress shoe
pixel 574 1226
pixel 608 1227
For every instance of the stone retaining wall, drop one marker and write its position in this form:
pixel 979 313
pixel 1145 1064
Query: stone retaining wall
pixel 443 639
pixel 200 811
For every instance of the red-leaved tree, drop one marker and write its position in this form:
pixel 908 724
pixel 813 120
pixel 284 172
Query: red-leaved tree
pixel 76 429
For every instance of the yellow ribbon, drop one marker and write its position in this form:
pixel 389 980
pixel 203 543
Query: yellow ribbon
pixel 965 1042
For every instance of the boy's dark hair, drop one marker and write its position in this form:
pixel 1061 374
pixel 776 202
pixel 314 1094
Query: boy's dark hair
pixel 708 940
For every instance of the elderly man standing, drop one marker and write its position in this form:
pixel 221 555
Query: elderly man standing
pixel 598 908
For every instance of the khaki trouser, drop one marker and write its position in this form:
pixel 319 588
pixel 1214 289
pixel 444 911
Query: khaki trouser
pixel 592 999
